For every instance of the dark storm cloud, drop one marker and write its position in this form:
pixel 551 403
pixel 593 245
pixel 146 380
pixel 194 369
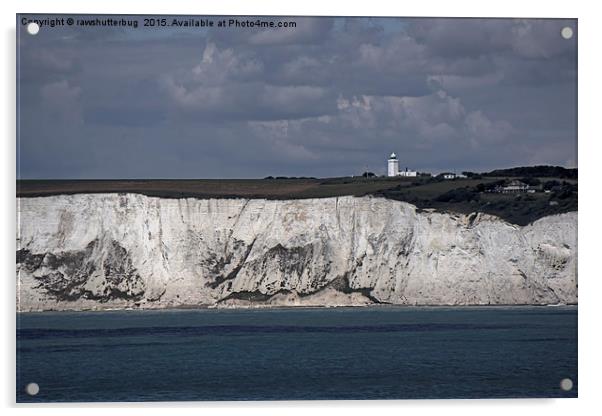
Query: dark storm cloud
pixel 330 97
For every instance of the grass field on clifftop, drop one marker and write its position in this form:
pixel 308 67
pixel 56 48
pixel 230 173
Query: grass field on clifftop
pixel 213 188
pixel 458 195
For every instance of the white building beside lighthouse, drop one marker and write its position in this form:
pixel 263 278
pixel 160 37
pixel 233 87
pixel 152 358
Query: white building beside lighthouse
pixel 393 168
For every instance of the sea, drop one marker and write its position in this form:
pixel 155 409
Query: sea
pixel 297 354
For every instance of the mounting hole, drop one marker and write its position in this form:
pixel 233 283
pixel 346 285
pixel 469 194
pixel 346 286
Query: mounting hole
pixel 33 28
pixel 566 32
pixel 566 384
pixel 32 389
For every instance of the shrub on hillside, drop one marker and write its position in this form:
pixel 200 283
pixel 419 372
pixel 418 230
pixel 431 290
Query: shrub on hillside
pixel 459 195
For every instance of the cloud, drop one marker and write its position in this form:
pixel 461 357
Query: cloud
pixel 327 98
pixel 221 66
pixel 38 66
pixel 61 100
pixel 245 101
pixel 461 82
pixel 540 39
pixel 483 131
pixel 225 86
pixel 428 117
pixel 437 123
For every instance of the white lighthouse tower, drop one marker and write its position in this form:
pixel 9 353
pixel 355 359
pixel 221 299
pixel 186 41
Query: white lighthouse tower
pixel 393 166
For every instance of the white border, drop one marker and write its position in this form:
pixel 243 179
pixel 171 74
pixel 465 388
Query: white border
pixel 590 184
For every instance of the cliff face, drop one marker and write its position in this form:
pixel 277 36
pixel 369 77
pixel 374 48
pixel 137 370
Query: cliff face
pixel 101 251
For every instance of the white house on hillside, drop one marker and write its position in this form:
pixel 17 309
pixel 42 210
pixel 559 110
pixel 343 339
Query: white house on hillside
pixel 393 168
pixel 449 175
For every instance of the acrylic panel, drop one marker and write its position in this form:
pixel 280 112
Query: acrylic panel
pixel 295 208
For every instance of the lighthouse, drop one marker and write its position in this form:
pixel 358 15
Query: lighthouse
pixel 393 166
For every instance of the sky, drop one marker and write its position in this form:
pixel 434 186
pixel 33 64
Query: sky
pixel 330 97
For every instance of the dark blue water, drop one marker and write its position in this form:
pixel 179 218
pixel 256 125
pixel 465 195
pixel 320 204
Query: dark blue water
pixel 287 354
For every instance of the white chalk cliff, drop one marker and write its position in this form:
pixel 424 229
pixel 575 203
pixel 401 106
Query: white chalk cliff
pixel 107 251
